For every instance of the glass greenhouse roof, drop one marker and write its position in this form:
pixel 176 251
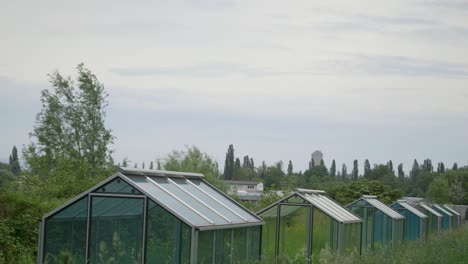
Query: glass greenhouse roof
pixel 451 210
pixel 382 207
pixel 328 206
pixel 429 209
pixel 443 210
pixel 410 208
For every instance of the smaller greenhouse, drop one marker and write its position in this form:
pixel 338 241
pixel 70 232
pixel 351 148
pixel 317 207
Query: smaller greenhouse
pixel 150 216
pixel 434 224
pixel 382 226
pixel 447 217
pixel 299 225
pixel 415 221
pixel 456 216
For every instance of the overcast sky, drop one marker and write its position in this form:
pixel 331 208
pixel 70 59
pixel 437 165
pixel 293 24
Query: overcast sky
pixel 278 79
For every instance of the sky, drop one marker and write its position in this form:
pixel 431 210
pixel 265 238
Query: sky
pixel 377 80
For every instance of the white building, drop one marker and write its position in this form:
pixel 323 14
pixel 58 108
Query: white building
pixel 245 190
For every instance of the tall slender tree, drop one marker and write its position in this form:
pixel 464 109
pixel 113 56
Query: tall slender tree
pixel 151 166
pixel 14 162
pixel 401 173
pixel 455 166
pixel 290 168
pixel 390 166
pixel 333 169
pixel 367 168
pixel 415 169
pixel 344 171
pixel 355 172
pixel 229 163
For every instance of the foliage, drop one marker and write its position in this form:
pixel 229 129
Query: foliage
pixel 193 160
pixel 70 124
pixel 229 163
pixel 438 190
pixel 14 161
pixel 346 194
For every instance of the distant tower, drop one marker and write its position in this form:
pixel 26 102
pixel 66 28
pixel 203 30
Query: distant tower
pixel 317 157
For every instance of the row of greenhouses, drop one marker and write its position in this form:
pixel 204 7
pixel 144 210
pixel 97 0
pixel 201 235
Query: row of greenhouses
pixel 152 216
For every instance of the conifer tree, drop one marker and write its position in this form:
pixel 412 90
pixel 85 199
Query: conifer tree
pixel 14 162
pixel 440 167
pixel 455 166
pixel 151 165
pixel 344 171
pixel 390 166
pixel 158 164
pixel 237 165
pixel 415 170
pixel 333 169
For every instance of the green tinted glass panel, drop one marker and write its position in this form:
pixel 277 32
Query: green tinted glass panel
pixel 223 246
pixel 118 186
pixel 296 199
pixel 167 238
pixel 65 234
pixel 239 245
pixel 294 230
pixel 253 244
pixel 205 247
pixel 116 230
pixel 269 234
pixel 322 227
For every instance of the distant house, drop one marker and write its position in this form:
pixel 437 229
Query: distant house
pixel 245 190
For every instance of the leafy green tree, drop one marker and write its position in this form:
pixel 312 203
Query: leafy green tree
pixel 229 164
pixel 5 175
pixel 415 169
pixel 367 169
pixel 14 162
pixel 390 166
pixel 456 193
pixel 71 125
pixel 401 173
pixel 333 169
pixel 193 160
pixel 427 166
pixel 274 176
pixel 344 171
pixel 348 193
pixel 440 167
pixel 290 168
pixel 355 172
pixel 438 190
pixel 455 166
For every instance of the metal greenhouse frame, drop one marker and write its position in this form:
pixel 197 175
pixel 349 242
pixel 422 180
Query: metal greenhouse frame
pixel 457 216
pixel 415 221
pixel 151 216
pixel 382 225
pixel 301 224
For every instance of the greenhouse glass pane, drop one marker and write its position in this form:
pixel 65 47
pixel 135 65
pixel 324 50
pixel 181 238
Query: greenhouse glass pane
pixel 223 246
pixel 293 240
pixel 65 233
pixel 388 229
pixel 118 186
pixel 116 229
pixel 253 246
pixel 269 233
pixel 379 228
pixel 205 247
pixel 239 250
pixel 296 199
pixel 321 231
pixel 167 238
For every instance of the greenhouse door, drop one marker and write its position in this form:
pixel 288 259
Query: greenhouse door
pixel 116 229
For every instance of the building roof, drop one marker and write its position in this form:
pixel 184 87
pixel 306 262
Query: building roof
pixel 185 195
pixel 442 210
pixel 319 200
pixel 372 200
pixel 410 208
pixel 429 209
pixel 451 210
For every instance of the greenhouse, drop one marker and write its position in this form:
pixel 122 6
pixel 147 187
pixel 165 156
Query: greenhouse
pixel 456 216
pixel 447 217
pixel 415 221
pixel 434 224
pixel 382 227
pixel 150 216
pixel 298 226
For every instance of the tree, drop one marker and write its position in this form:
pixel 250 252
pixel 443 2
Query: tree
pixel 427 166
pixel 415 170
pixel 355 172
pixel 438 190
pixel 401 173
pixel 143 165
pixel 390 166
pixel 158 163
pixel 333 169
pixel 290 168
pixel 455 166
pixel 193 160
pixel 151 165
pixel 237 164
pixel 14 162
pixel 440 167
pixel 71 125
pixel 125 162
pixel 229 163
pixel 344 171
pixel 456 193
pixel 135 165
pixel 367 168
